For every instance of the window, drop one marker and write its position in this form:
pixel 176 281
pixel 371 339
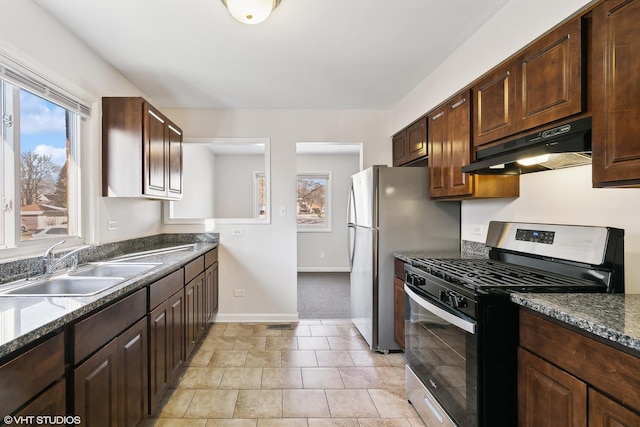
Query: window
pixel 313 202
pixel 39 159
pixel 260 191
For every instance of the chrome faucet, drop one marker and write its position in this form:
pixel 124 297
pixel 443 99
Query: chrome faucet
pixel 50 263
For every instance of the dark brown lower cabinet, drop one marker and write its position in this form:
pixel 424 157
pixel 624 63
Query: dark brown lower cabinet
pixel 398 311
pixel 548 396
pixel 132 375
pixel 194 312
pixel 110 387
pixel 24 377
pixel 52 403
pixel 567 378
pixel 166 345
pixel 95 388
pixel 604 412
pixel 210 297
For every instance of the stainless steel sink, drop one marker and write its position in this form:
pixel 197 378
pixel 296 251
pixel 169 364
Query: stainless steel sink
pixel 89 279
pixel 63 286
pixel 115 269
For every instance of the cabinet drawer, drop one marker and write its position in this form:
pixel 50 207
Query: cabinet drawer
pixel 165 287
pixel 95 331
pixel 210 258
pixel 610 370
pixel 194 268
pixel 24 377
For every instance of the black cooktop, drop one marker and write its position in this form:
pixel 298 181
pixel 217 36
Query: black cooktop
pixel 488 273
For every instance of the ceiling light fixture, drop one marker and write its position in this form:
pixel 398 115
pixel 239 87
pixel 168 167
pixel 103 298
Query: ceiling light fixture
pixel 250 11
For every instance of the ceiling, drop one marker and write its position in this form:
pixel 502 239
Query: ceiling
pixel 310 54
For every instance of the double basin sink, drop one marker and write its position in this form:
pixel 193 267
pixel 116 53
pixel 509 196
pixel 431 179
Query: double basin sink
pixel 87 280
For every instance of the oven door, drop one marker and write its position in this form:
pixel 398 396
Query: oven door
pixel 441 350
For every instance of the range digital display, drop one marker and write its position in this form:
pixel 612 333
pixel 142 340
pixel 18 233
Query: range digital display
pixel 535 236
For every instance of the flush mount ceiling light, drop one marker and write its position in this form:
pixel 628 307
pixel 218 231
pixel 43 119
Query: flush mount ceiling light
pixel 251 11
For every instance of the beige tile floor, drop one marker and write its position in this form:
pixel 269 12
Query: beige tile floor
pixel 319 374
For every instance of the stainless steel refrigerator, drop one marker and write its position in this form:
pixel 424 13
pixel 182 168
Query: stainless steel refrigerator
pixel 390 211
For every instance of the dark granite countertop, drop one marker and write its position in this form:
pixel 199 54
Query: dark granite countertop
pixel 615 317
pixel 26 319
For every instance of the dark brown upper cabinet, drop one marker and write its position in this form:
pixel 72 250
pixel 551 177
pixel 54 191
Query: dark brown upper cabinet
pixel 410 144
pixel 141 151
pixel 550 77
pixel 450 148
pixel 615 54
pixel 495 104
pixel 542 84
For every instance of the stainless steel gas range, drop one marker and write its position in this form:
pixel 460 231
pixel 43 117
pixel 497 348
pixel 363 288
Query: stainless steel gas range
pixel 461 329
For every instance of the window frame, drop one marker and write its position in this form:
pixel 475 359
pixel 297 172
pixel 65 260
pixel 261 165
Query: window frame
pixel 327 227
pixel 22 78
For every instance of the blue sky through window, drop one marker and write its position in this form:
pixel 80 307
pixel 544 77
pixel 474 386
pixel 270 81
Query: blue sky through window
pixel 42 127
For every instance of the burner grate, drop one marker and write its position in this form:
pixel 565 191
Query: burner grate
pixel 479 273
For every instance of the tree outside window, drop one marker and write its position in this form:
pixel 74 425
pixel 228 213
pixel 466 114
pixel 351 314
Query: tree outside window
pixel 313 201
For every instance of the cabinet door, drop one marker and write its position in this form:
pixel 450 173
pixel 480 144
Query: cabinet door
pixel 604 412
pixel 550 73
pixel 174 140
pixel 95 388
pixel 616 91
pixel 132 375
pixel 155 152
pixel 399 142
pixel 417 140
pixel 459 149
pixel 438 158
pixel 194 312
pixel 398 311
pixel 159 342
pixel 52 402
pixel 494 105
pixel 176 325
pixel 548 396
pixel 210 292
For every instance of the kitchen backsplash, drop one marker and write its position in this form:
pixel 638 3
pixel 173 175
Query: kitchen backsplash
pixel 469 248
pixel 26 267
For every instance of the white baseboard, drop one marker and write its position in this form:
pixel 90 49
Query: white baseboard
pixel 254 318
pixel 323 269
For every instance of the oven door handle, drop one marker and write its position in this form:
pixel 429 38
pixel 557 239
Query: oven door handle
pixel 443 314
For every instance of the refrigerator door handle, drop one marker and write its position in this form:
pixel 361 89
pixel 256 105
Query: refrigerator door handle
pixel 351 206
pixel 351 211
pixel 351 245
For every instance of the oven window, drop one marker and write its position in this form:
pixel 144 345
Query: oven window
pixel 444 357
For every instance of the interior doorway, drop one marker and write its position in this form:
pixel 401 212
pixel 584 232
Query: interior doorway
pixel 323 183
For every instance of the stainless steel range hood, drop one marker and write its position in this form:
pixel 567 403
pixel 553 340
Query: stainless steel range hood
pixel 559 147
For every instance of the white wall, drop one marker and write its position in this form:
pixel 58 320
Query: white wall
pixel 333 245
pixel 235 197
pixel 32 38
pixel 197 195
pixel 563 196
pixel 263 260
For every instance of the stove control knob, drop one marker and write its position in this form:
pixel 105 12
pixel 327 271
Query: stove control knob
pixel 458 301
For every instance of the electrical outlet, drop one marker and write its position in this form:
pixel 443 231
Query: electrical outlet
pixel 283 211
pixel 476 229
pixel 321 254
pixel 239 293
pixel 112 225
pixel 238 232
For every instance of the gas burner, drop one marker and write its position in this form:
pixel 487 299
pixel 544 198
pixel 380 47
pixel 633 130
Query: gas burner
pixel 487 273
